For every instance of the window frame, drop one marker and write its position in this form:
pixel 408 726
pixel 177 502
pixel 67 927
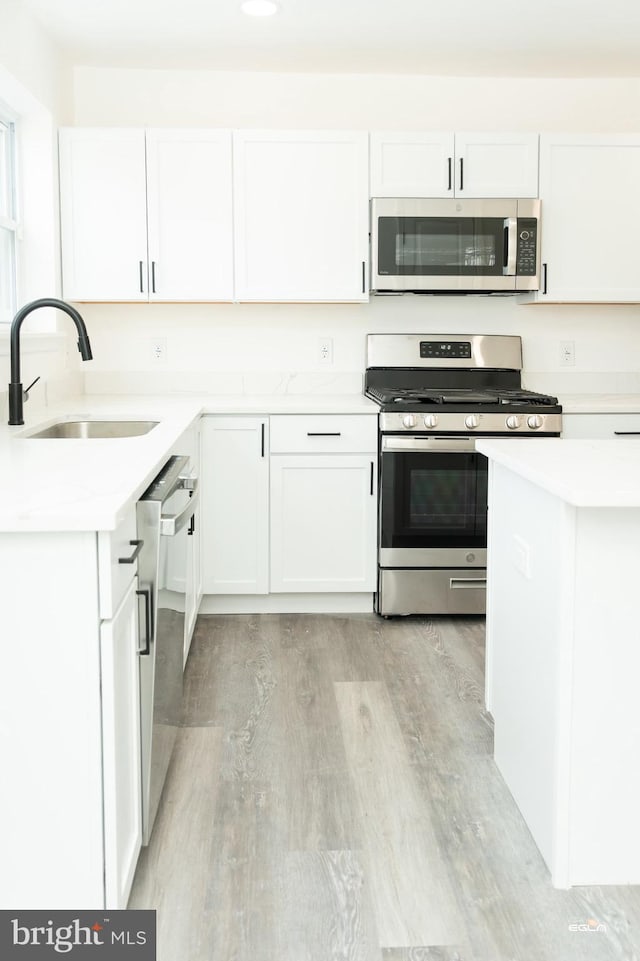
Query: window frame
pixel 9 223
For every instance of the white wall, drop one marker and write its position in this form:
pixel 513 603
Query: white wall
pixel 218 99
pixel 285 337
pixel 29 58
pixel 35 87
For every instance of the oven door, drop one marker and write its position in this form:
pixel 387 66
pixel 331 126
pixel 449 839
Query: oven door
pixel 431 245
pixel 433 502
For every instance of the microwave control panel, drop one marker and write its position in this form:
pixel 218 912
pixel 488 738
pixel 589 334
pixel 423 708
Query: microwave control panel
pixel 527 246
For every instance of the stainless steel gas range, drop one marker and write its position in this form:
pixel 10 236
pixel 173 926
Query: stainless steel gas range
pixel 437 393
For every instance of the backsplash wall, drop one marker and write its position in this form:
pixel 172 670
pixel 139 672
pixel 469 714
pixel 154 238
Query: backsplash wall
pixel 262 338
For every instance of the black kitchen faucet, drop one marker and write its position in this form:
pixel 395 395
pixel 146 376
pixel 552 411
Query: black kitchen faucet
pixel 15 387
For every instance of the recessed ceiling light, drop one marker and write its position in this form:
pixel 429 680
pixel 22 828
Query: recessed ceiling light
pixel 259 8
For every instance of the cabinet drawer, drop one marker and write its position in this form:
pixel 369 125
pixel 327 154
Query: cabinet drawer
pixel 616 426
pixel 114 577
pixel 323 433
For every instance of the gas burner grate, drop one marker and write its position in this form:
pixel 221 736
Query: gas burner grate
pixel 526 397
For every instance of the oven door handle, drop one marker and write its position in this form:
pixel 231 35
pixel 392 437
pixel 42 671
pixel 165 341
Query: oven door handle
pixel 401 445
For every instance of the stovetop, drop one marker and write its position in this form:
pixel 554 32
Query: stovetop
pixel 425 398
pixel 455 384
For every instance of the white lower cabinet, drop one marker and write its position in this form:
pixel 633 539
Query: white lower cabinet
pixel 289 505
pixel 121 748
pixel 235 505
pixel 323 531
pixel 70 805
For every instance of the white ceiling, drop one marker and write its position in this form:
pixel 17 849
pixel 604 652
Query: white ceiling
pixel 448 37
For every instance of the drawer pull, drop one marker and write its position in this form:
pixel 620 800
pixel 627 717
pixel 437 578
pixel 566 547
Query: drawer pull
pixel 137 547
pixel 627 433
pixel 320 433
pixel 467 583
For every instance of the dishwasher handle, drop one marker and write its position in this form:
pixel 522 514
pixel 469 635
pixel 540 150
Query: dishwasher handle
pixel 171 524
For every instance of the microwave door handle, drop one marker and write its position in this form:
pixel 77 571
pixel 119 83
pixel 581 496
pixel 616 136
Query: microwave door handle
pixel 511 246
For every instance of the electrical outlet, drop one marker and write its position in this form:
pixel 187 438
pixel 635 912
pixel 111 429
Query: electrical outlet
pixel 325 351
pixel 567 353
pixel 158 349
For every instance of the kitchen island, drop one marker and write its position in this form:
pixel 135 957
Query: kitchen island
pixel 563 648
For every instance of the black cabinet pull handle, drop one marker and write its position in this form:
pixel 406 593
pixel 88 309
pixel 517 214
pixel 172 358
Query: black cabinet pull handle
pixel 153 276
pixel 450 166
pixel 627 433
pixel 146 593
pixel 311 433
pixel 141 263
pixel 137 547
pixel 544 278
pixel 461 174
pixel 371 487
pixel 363 276
pixel 192 526
pixel 262 441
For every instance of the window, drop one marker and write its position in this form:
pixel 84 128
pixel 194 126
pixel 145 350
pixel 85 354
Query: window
pixel 8 222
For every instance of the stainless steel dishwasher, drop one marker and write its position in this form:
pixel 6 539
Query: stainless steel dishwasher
pixel 165 509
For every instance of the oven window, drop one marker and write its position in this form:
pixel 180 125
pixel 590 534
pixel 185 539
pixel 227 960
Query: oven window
pixel 441 246
pixel 433 500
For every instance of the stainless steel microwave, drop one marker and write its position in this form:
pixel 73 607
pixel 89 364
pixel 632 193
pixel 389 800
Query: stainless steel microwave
pixel 454 246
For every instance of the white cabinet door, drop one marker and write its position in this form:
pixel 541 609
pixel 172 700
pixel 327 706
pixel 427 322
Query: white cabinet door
pixel 323 523
pixel 301 216
pixel 235 505
pixel 121 749
pixel 412 164
pixel 190 215
pixel 438 164
pixel 590 192
pixel 103 214
pixel 496 165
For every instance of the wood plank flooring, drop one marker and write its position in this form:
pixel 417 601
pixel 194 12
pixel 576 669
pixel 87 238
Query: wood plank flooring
pixel 333 797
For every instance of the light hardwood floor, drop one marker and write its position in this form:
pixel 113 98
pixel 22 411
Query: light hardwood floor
pixel 333 797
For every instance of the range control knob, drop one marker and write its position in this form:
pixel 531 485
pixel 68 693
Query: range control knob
pixel 409 421
pixel 430 420
pixel 513 421
pixel 471 421
pixel 534 421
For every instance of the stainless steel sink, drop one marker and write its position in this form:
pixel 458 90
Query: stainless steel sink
pixel 85 429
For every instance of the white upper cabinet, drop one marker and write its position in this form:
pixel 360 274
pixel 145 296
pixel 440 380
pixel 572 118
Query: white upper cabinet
pixel 590 192
pixel 411 164
pixel 103 211
pixel 146 215
pixel 301 215
pixel 454 165
pixel 189 215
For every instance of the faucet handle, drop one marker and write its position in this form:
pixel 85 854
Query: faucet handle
pixel 25 392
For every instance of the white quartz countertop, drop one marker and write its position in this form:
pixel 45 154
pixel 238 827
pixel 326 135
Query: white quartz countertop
pixel 87 485
pixel 600 403
pixel 584 473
